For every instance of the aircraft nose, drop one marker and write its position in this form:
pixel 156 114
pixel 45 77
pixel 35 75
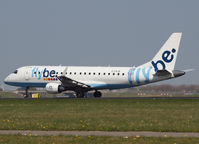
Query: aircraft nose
pixel 6 80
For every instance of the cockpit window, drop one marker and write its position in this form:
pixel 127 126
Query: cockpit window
pixel 15 72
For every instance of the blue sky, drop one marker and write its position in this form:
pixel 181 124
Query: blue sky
pixel 96 33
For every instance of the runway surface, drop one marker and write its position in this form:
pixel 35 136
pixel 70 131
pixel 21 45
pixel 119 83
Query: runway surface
pixel 184 97
pixel 99 133
pixel 150 97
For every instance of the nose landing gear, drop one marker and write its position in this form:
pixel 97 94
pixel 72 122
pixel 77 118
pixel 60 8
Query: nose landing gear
pixel 27 94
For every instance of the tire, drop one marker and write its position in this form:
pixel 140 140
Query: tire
pixel 97 94
pixel 80 94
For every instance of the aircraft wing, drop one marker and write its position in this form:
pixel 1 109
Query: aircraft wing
pixel 67 82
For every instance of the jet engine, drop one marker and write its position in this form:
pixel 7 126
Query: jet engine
pixel 54 88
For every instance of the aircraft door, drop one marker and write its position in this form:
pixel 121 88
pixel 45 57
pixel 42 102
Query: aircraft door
pixel 27 74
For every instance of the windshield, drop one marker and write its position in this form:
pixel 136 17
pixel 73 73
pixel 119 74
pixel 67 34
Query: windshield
pixel 15 72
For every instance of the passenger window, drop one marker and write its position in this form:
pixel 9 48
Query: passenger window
pixel 74 73
pixel 122 73
pixel 104 73
pixel 85 73
pixel 93 73
pixel 66 73
pixel 98 73
pixel 118 74
pixel 61 72
pixel 89 73
pixel 70 73
pixel 108 73
pixel 80 73
pixel 113 73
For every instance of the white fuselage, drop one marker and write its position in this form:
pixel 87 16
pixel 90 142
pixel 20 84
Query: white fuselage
pixel 96 77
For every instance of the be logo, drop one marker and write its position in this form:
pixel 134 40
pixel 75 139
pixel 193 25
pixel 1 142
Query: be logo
pixel 167 57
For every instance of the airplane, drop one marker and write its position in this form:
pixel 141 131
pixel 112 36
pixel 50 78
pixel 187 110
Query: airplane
pixel 81 79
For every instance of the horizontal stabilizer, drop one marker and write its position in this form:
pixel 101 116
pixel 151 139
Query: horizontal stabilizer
pixel 162 73
pixel 178 73
pixel 175 73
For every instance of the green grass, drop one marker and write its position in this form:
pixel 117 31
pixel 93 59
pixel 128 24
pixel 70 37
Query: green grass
pixel 18 139
pixel 103 115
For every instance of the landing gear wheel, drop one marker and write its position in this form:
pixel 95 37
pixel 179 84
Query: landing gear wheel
pixel 97 94
pixel 80 94
pixel 25 96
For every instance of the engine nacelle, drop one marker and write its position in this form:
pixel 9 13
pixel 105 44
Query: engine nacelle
pixel 54 88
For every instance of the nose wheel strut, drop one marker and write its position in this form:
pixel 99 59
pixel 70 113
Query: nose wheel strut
pixel 26 94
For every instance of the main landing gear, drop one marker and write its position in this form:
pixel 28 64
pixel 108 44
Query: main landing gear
pixel 81 94
pixel 97 94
